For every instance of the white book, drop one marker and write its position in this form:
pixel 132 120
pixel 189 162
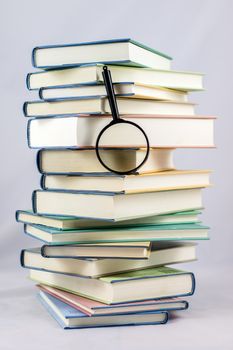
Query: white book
pixel 82 131
pixel 167 180
pixel 115 206
pixel 130 90
pixel 117 51
pixel 185 81
pixel 101 106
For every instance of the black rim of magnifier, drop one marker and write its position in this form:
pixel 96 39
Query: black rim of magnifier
pixel 116 119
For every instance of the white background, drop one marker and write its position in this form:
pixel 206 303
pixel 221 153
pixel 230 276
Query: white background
pixel 198 35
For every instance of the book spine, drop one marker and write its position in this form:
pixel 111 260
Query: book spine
pixel 34 200
pixel 43 251
pixel 28 81
pixel 22 254
pixel 39 161
pixel 25 106
pixel 33 57
pixel 42 182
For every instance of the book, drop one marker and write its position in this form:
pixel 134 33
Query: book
pixel 177 80
pixel 128 89
pixel 126 250
pixel 167 180
pixel 151 283
pixel 92 307
pixel 69 223
pixel 82 131
pixel 116 51
pixel 161 253
pixel 70 318
pixel 115 207
pixel 119 234
pixel 101 105
pixel 85 161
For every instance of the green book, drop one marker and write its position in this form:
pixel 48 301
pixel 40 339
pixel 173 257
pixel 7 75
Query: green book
pixel 153 283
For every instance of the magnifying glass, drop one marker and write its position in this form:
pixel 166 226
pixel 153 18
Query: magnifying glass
pixel 122 137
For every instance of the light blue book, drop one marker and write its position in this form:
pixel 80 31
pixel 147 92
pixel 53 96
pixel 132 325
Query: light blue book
pixel 70 318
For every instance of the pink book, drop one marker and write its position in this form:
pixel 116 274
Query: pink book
pixel 92 307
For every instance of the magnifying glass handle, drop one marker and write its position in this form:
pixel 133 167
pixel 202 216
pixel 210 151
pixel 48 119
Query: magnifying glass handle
pixel 110 93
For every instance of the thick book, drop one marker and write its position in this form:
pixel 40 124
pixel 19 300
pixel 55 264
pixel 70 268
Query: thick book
pixel 85 161
pixel 115 207
pixel 151 283
pixel 162 253
pixel 184 81
pixel 71 318
pixel 163 131
pixel 92 307
pixel 167 180
pixel 119 234
pixel 69 223
pixel 115 51
pixel 101 105
pixel 127 250
pixel 126 89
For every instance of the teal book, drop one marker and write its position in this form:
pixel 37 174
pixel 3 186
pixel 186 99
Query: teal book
pixel 151 283
pixel 125 51
pixel 69 223
pixel 119 234
pixel 70 318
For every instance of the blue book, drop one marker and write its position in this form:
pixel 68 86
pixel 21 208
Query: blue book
pixel 70 318
pixel 116 51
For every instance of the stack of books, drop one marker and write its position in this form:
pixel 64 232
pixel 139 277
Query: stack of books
pixel 108 238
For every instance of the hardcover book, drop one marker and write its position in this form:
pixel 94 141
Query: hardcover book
pixel 152 283
pixel 126 89
pixel 70 318
pixel 91 307
pixel 184 81
pixel 116 51
pixel 162 253
pixel 119 234
pixel 68 223
pixel 82 132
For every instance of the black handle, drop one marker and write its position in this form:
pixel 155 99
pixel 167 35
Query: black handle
pixel 110 93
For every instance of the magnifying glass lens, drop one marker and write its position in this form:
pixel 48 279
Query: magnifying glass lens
pixel 123 140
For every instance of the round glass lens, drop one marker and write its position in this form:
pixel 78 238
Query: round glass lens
pixel 117 147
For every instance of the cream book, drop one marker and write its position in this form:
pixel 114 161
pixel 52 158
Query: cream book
pixel 151 283
pixel 130 90
pixel 85 161
pixel 115 207
pixel 160 181
pixel 119 250
pixel 101 106
pixel 184 81
pixel 162 253
pixel 82 131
